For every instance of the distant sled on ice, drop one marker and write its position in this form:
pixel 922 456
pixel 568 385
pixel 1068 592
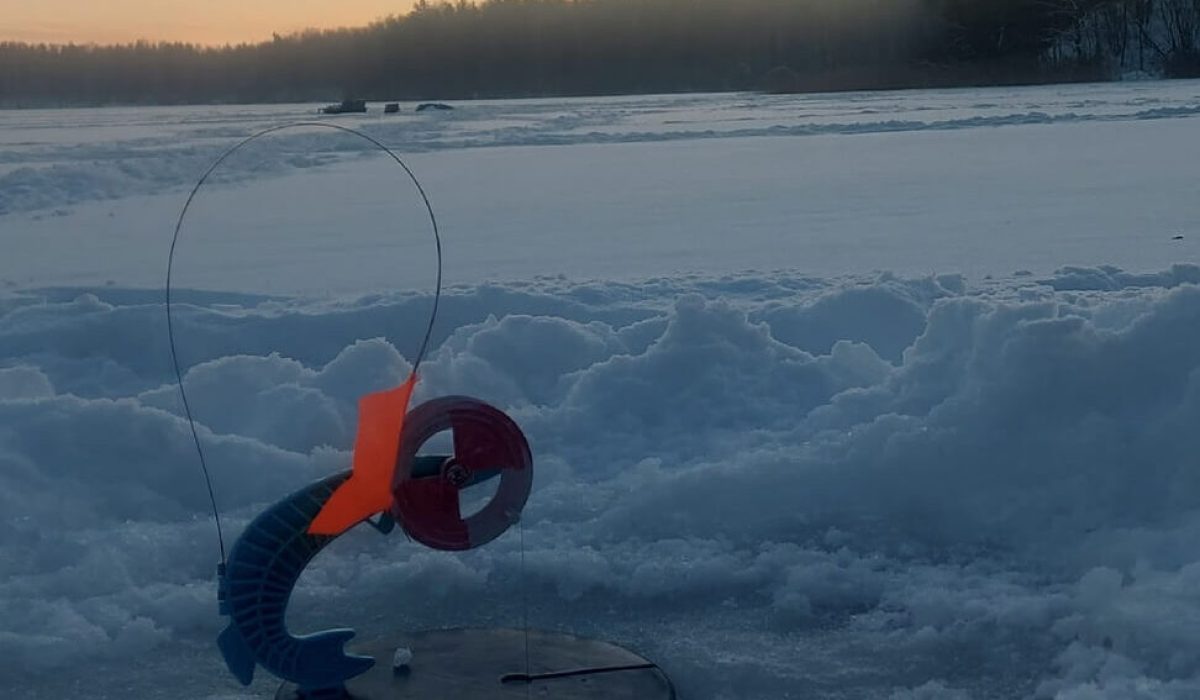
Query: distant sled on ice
pixel 346 107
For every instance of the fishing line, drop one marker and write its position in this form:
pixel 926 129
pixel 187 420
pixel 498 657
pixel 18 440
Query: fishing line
pixel 524 601
pixel 171 265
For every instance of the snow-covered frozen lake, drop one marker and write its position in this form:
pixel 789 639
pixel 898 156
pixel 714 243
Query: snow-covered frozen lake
pixel 872 395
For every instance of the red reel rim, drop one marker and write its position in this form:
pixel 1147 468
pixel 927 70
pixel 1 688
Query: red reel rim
pixel 485 440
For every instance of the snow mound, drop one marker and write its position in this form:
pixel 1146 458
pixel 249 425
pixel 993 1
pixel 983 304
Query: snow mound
pixel 887 487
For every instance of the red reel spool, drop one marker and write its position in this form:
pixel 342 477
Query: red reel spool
pixel 485 441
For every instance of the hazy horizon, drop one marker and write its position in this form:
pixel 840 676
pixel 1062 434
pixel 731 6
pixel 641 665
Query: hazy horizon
pixel 506 48
pixel 213 23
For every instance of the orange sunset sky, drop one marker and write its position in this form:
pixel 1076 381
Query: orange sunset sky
pixel 198 21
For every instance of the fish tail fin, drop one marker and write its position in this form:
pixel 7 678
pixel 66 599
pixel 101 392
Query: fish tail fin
pixel 238 656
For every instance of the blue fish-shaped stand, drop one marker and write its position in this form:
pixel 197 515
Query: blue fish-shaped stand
pixel 255 586
pixel 256 583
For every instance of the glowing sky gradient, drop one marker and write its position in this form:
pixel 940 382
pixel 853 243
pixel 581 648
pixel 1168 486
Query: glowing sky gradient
pixel 198 21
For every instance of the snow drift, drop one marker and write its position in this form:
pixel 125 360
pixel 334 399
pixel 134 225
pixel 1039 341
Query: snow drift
pixel 752 479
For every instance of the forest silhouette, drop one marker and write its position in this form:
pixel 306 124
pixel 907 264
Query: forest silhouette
pixel 524 48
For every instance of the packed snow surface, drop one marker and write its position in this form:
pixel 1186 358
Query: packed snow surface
pixel 876 395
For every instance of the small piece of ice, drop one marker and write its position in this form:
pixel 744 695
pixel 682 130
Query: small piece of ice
pixel 401 658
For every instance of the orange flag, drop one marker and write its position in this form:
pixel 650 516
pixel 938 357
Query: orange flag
pixel 369 489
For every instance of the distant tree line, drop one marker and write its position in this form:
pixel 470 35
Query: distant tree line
pixel 1160 36
pixel 501 48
